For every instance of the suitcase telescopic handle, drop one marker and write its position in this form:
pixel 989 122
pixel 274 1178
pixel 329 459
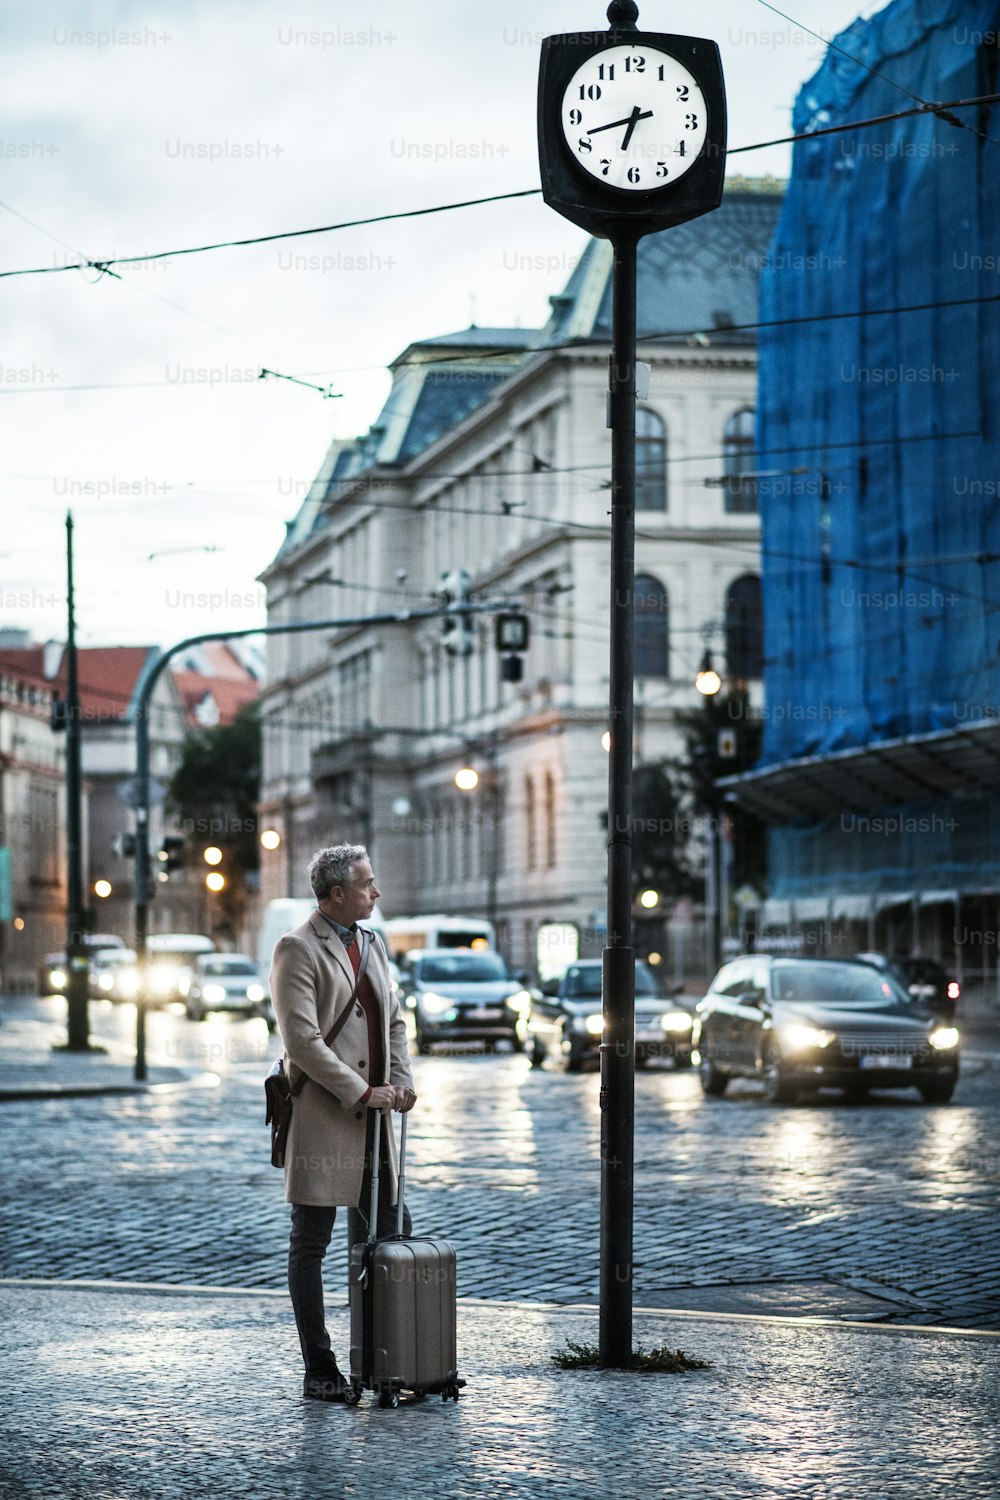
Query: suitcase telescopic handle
pixel 376 1168
pixel 402 1177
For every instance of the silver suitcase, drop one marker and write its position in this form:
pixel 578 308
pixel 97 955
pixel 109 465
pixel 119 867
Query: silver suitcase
pixel 403 1308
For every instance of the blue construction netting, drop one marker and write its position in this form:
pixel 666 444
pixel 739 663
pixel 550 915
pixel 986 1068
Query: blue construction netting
pixel 881 520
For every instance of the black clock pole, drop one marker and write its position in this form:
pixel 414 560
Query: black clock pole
pixel 665 95
pixel 617 1051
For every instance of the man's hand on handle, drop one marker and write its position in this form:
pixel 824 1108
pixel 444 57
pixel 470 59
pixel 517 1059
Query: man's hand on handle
pixel 386 1097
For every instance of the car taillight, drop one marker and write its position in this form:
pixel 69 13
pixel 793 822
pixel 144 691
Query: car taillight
pixel 954 990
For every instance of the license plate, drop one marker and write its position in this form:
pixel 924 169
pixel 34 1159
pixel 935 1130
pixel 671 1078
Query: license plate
pixel 887 1060
pixel 482 1013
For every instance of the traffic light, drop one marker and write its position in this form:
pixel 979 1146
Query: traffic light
pixel 511 642
pixel 457 634
pixel 171 854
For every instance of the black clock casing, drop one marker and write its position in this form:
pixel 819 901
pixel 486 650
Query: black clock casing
pixel 606 211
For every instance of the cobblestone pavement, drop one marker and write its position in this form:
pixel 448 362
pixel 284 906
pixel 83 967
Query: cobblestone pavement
pixel 174 1396
pixel 880 1210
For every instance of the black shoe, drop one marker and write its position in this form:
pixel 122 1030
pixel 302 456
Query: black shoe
pixel 332 1387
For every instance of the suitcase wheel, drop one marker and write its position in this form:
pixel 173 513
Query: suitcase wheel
pixel 352 1395
pixel 388 1398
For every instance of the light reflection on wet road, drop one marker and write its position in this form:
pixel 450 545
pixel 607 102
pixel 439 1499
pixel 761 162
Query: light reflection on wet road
pixel 177 1186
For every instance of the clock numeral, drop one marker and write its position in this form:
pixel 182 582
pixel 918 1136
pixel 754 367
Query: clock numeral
pixel 605 166
pixel 637 65
pixel 691 122
pixel 584 144
pixel 633 174
pixel 661 169
pixel 607 70
pixel 682 148
pixel 590 91
pixel 576 117
pixel 683 92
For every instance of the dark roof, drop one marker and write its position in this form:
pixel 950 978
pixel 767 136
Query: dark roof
pixel 701 275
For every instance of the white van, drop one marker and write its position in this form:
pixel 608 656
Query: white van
pixel 287 913
pixel 403 934
pixel 170 959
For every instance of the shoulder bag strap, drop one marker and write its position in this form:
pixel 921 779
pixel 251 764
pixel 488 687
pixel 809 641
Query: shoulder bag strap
pixel 332 1035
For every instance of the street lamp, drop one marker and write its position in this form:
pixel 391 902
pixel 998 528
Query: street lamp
pixel 466 779
pixel 649 899
pixel 212 855
pixel 707 680
pixel 270 838
pixel 215 880
pixel 102 888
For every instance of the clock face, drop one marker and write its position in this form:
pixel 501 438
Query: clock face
pixel 634 118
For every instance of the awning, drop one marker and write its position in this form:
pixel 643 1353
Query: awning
pixel 850 907
pixel 964 761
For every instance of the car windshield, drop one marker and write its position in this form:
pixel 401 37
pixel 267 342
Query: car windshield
pixel 585 979
pixel 227 966
pixel 839 985
pixel 461 968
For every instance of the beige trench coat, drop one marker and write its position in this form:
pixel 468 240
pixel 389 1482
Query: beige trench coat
pixel 311 982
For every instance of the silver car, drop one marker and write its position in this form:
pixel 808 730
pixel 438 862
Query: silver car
pixel 227 981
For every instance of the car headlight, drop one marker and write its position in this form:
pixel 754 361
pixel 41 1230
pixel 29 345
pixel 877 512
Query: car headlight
pixel 943 1038
pixel 804 1038
pixel 255 992
pixel 521 1002
pixel 105 983
pixel 435 1005
pixel 213 993
pixel 57 978
pixel 128 983
pixel 676 1020
pixel 162 978
pixel 594 1025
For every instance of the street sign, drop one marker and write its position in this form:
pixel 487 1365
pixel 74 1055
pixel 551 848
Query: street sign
pixel 128 791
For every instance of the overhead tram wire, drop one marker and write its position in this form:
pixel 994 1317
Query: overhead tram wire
pixel 108 262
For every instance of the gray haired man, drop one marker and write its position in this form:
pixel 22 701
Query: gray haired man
pixel 366 1068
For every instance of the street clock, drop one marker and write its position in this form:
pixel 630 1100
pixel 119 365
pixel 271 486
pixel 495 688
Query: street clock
pixel 631 128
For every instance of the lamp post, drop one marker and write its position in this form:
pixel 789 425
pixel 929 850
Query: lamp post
pixel 77 1019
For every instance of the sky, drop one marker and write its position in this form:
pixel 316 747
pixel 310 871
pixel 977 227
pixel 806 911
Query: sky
pixel 135 401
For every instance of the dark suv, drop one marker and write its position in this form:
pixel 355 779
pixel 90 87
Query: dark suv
pixel 567 1021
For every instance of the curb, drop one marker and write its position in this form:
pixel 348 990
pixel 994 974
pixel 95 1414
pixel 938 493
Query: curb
pixel 185 1289
pixel 16 1093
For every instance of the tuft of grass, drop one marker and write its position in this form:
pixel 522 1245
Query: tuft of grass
pixel 659 1361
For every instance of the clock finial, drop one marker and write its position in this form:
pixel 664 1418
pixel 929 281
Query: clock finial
pixel 623 15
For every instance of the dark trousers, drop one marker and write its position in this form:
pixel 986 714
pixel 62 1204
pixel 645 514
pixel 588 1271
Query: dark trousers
pixel 312 1226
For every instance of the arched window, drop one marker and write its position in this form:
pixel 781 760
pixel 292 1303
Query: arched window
pixel 650 460
pixel 652 628
pixel 744 628
pixel 739 439
pixel 550 820
pixel 530 831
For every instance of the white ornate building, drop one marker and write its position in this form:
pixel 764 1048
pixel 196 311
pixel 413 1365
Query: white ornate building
pixel 492 454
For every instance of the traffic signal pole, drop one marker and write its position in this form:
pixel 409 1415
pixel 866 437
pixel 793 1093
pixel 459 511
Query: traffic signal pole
pixel 149 677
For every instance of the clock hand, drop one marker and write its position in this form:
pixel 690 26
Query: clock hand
pixel 631 121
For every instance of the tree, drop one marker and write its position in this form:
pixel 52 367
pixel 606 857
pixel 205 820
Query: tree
pixel 726 714
pixel 214 794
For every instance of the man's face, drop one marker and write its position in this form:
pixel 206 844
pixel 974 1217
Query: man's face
pixel 356 901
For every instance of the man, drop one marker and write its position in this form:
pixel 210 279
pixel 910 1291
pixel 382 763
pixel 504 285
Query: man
pixel 366 1069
